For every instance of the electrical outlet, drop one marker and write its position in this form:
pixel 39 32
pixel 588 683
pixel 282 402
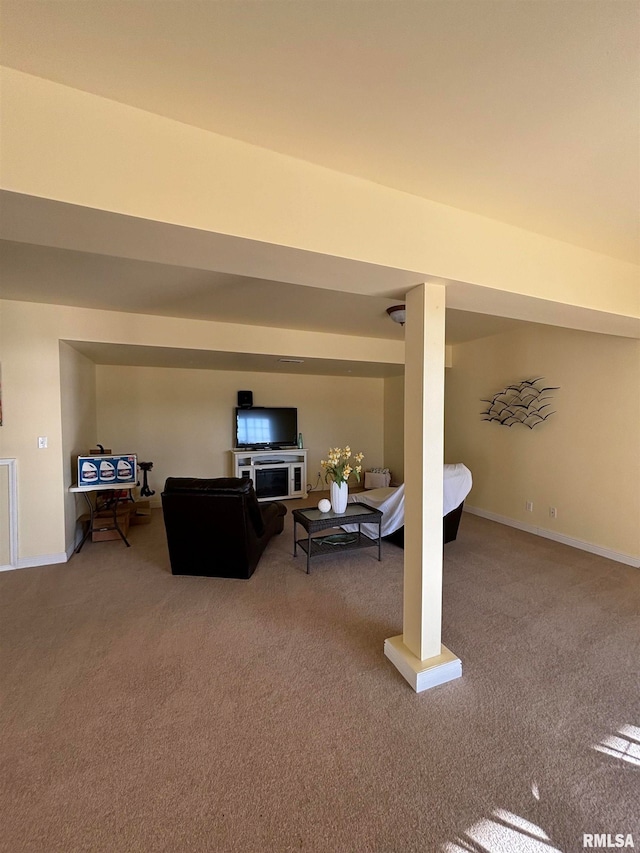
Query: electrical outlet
pixel 529 506
pixel 553 512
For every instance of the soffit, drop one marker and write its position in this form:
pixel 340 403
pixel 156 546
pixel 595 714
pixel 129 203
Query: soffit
pixel 62 277
pixel 86 280
pixel 169 357
pixel 461 326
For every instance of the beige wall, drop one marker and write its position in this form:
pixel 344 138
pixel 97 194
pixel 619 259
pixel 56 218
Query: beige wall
pixel 33 399
pixel 79 425
pixel 72 147
pixel 30 360
pixel 394 427
pixel 182 420
pixel 394 422
pixel 584 460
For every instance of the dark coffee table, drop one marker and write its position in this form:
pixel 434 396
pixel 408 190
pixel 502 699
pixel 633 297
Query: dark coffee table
pixel 313 521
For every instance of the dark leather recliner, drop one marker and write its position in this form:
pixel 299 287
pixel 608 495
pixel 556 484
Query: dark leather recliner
pixel 217 528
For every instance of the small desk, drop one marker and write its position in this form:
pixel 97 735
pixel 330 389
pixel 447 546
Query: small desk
pixel 313 520
pixel 102 487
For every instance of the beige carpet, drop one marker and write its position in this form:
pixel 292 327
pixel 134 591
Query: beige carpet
pixel 146 712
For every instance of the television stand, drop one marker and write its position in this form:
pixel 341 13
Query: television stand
pixel 276 474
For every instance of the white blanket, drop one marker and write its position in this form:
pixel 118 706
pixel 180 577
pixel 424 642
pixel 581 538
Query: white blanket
pixel 457 484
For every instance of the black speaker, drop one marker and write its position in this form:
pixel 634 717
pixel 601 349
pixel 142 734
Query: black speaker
pixel 245 399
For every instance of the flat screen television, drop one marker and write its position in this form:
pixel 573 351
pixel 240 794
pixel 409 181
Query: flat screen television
pixel 268 427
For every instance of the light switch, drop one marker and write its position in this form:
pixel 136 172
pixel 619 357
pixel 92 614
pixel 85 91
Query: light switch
pixel 42 442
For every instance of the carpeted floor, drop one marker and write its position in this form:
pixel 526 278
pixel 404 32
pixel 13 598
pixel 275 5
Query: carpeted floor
pixel 146 712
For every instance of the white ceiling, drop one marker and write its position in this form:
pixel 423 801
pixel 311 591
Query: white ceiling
pixel 527 112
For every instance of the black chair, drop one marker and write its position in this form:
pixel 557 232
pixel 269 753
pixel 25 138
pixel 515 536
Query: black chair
pixel 217 528
pixel 450 524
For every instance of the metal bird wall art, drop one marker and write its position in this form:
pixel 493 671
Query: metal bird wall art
pixel 521 403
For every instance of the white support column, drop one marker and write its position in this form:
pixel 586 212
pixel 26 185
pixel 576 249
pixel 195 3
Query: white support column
pixel 418 653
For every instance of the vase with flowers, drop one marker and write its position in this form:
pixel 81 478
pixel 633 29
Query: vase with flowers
pixel 338 467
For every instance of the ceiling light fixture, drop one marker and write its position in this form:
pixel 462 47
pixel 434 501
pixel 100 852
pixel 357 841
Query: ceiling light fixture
pixel 397 313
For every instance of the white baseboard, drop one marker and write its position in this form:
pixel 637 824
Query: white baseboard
pixel 557 537
pixel 40 560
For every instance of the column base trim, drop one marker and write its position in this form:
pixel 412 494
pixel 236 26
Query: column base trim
pixel 422 674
